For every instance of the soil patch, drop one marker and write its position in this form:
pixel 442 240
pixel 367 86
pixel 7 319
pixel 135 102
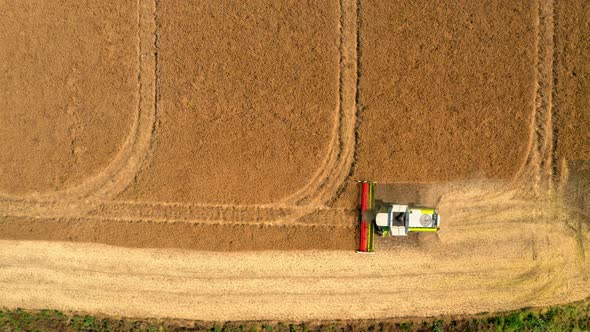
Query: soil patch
pixel 572 71
pixel 446 89
pixel 247 99
pixel 68 90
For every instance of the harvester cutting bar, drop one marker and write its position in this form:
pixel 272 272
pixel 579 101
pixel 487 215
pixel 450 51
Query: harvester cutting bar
pixel 366 229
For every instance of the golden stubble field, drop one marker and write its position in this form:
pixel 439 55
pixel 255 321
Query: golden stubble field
pixel 172 158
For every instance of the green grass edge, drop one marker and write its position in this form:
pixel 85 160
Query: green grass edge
pixel 568 317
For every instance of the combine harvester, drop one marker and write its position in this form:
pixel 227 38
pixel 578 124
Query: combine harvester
pixel 390 219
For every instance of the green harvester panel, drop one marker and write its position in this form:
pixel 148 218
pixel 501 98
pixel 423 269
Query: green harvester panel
pixel 370 241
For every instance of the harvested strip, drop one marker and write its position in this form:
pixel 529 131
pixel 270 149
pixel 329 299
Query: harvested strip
pixel 195 236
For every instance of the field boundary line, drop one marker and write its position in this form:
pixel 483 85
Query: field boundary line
pixel 290 222
pixel 210 214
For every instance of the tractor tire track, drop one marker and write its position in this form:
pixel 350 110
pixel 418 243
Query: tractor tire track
pixel 170 212
pixel 340 156
pixel 540 155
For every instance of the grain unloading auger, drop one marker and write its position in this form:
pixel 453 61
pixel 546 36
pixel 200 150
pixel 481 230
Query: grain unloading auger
pixel 390 219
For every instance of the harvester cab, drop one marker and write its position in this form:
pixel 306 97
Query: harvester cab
pixel 391 219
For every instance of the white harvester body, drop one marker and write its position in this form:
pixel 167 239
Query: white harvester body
pixel 399 220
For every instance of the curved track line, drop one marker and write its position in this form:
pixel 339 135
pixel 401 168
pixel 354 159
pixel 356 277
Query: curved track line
pixel 121 171
pixel 340 155
pixel 538 162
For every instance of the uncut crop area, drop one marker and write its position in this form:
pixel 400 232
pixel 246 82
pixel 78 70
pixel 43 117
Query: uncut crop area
pixel 199 159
